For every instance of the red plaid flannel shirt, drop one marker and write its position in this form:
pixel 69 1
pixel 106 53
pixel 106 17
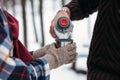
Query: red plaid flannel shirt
pixel 12 68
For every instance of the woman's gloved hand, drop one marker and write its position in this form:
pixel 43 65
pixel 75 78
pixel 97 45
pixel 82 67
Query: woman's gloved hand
pixel 40 52
pixel 59 56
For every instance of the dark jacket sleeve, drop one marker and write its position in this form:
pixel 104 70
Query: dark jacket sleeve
pixel 82 8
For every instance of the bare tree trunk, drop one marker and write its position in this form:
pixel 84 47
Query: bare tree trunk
pixel 13 6
pixel 74 66
pixel 24 21
pixel 5 3
pixel 63 2
pixel 33 19
pixel 41 19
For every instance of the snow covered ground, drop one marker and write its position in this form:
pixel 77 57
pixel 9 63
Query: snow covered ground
pixel 65 73
pixel 81 35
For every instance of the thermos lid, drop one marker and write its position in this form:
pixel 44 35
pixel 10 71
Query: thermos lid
pixel 63 22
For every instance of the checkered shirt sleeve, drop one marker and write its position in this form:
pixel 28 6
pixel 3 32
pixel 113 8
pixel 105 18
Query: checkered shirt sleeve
pixel 13 68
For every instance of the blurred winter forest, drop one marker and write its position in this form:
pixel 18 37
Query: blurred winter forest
pixel 35 17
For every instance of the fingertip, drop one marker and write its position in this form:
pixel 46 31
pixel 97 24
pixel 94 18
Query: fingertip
pixel 54 36
pixel 74 43
pixel 52 45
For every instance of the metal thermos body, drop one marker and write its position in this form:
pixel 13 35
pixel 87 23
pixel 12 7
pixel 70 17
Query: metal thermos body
pixel 63 30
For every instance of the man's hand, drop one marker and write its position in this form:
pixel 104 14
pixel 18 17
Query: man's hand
pixel 64 12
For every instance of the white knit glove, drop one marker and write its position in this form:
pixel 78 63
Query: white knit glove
pixel 59 56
